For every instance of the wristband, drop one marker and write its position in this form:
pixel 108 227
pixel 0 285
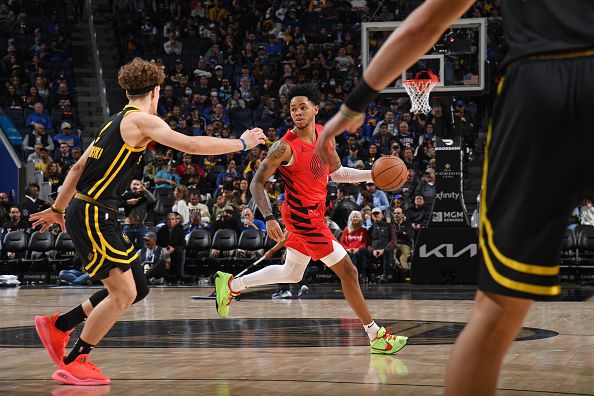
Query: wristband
pixel 360 97
pixel 269 217
pixel 55 209
pixel 347 115
pixel 245 146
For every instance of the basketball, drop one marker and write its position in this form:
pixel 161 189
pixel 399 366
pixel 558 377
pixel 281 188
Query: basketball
pixel 389 173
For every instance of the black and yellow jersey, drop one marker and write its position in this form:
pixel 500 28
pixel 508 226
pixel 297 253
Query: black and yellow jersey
pixel 534 27
pixel 110 163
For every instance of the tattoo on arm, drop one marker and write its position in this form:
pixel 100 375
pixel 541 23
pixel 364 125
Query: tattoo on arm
pixel 276 156
pixel 335 162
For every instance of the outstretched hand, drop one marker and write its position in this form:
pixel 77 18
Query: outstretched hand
pixel 337 125
pixel 46 218
pixel 254 137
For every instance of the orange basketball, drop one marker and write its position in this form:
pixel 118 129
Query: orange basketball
pixel 389 173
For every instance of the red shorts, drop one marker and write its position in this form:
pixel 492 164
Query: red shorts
pixel 308 232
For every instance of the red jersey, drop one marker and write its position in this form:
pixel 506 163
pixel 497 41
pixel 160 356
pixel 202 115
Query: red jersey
pixel 355 239
pixel 306 179
pixel 305 199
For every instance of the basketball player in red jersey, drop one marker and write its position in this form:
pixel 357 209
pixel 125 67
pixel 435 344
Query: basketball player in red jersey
pixel 306 178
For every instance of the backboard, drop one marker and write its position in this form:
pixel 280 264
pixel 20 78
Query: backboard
pixel 458 57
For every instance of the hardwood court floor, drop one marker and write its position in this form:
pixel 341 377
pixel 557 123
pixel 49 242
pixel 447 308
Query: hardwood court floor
pixel 172 345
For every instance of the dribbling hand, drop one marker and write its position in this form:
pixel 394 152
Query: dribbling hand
pixel 254 137
pixel 274 231
pixel 46 218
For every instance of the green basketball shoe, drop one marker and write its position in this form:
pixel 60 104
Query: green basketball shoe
pixel 386 343
pixel 223 292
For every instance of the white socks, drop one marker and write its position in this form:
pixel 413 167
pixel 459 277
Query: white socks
pixel 371 329
pixel 237 284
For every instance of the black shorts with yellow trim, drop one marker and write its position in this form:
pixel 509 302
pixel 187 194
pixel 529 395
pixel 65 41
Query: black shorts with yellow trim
pixel 98 239
pixel 539 156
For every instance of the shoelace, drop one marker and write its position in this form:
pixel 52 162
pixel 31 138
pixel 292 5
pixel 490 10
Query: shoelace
pixel 90 365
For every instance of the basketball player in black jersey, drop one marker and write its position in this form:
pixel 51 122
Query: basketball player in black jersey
pixel 546 89
pixel 89 196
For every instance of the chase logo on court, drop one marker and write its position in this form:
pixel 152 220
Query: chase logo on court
pixel 258 333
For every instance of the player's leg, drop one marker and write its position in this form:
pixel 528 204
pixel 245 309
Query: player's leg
pixel 54 331
pixel 381 340
pixel 77 368
pixel 520 231
pixel 493 325
pixel 227 287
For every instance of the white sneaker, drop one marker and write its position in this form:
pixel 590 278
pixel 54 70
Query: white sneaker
pixel 304 290
pixel 284 294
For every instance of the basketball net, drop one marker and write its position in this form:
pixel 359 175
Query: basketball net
pixel 418 89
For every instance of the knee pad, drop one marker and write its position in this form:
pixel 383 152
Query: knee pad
pixel 98 296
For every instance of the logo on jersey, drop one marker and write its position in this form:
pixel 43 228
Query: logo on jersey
pixel 316 167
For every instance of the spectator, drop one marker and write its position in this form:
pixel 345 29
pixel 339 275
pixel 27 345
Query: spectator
pixel 39 117
pixel 195 206
pixel 426 188
pixel 197 223
pixel 343 207
pixel 155 259
pixel 244 195
pixel 171 238
pixel 36 157
pixel 53 175
pixel 66 136
pixel 37 135
pixel 137 202
pixel 227 219
pixel 16 222
pixel 172 46
pixel 380 200
pixel 45 160
pixel 181 197
pixel 354 240
pixel 11 99
pixel 152 168
pixel 351 159
pixel 418 214
pixel 586 212
pixel 167 178
pixel 248 221
pixel 4 207
pixel 32 203
pixel 227 176
pixel 405 137
pixel 219 206
pixel 63 157
pixel 382 241
pixel 390 121
pixel 404 234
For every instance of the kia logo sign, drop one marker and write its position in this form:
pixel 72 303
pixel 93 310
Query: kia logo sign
pixel 446 250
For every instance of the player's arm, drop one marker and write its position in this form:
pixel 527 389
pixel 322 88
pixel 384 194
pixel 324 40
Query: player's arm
pixel 344 174
pixel 279 152
pixel 55 213
pixel 158 130
pixel 404 47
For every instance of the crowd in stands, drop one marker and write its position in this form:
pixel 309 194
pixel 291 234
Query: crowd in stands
pixel 229 65
pixel 37 92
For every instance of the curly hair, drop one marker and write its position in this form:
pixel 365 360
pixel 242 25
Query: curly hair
pixel 140 74
pixel 308 90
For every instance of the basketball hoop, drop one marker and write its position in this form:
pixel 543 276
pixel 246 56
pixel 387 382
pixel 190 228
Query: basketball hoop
pixel 418 89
